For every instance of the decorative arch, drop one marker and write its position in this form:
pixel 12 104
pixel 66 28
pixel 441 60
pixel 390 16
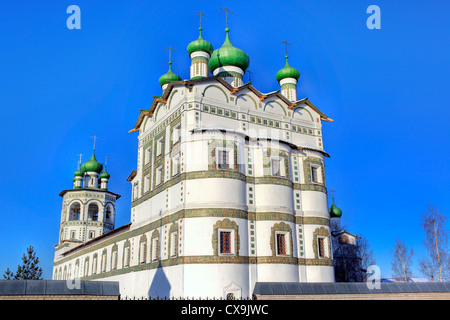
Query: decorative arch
pixel 276 102
pixel 93 210
pixel 280 227
pixel 74 210
pixel 156 111
pixel 246 95
pixel 147 118
pixel 229 225
pixel 217 87
pixel 302 108
pixel 321 232
pixel 171 97
pixel 109 214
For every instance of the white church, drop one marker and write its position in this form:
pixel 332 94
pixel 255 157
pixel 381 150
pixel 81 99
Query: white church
pixel 229 190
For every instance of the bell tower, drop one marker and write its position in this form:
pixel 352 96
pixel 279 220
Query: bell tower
pixel 88 209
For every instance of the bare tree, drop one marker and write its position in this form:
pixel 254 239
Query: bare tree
pixel 365 252
pixel 436 242
pixel 401 265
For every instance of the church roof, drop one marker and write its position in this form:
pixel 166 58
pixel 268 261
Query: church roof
pixel 121 229
pixel 62 193
pixel 262 96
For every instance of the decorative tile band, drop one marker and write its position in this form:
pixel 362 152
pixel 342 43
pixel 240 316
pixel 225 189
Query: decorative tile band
pixel 212 260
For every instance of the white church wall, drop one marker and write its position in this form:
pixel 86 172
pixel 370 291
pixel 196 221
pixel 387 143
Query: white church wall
pixel 215 193
pixel 277 198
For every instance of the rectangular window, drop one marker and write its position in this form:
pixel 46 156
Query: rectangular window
pixel 126 258
pixel 158 178
pixel 94 266
pixel 155 243
pixel 315 178
pixel 176 134
pixel 321 247
pixel 225 242
pixel 104 262
pixel 135 190
pixel 281 244
pixel 114 260
pixel 173 244
pixel 223 159
pixel 142 252
pixel 91 234
pixel 275 165
pixel 176 165
pixel 147 183
pixel 159 146
pixel 147 155
pixel 72 235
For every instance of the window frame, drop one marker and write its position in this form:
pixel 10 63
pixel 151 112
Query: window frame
pixel 229 163
pixel 315 173
pixel 322 248
pixel 159 175
pixel 155 244
pixel 159 146
pixel 286 240
pixel 231 235
pixel 176 164
pixel 281 166
pixel 176 134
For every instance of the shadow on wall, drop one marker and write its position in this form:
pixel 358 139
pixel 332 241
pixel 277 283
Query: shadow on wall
pixel 160 286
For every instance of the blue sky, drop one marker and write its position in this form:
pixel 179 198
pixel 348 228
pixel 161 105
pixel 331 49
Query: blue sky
pixel 386 90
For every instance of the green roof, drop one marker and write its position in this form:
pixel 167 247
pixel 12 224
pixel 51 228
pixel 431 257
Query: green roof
pixel 287 72
pixel 79 172
pixel 169 76
pixel 200 45
pixel 228 55
pixel 334 211
pixel 92 165
pixel 105 174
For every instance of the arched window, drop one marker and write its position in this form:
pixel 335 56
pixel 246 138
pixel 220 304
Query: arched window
pixel 93 212
pixel 109 213
pixel 74 211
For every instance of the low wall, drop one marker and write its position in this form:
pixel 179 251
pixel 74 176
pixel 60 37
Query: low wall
pixel 352 291
pixel 58 290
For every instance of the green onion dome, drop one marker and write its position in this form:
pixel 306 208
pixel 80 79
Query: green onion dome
pixel 287 72
pixel 200 45
pixel 105 175
pixel 169 76
pixel 79 172
pixel 228 55
pixel 334 211
pixel 92 165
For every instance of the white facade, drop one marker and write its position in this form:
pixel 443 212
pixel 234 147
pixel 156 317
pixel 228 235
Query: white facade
pixel 229 190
